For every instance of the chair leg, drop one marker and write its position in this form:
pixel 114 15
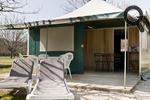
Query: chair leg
pixel 66 72
pixel 70 73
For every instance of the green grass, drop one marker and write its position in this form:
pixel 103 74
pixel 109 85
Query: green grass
pixel 5 96
pixel 5 58
pixel 5 64
pixel 12 95
pixel 4 69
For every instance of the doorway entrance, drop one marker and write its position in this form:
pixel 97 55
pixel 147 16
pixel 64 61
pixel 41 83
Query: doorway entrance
pixel 119 37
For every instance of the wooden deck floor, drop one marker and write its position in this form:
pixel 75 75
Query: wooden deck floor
pixel 103 81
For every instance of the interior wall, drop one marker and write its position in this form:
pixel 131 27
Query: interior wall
pixel 102 41
pixel 59 38
pixel 97 41
pixel 144 40
pixel 145 57
pixel 133 37
pixel 133 53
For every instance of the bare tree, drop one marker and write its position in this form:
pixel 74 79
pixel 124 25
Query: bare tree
pixel 11 5
pixel 71 5
pixel 15 6
pixel 14 41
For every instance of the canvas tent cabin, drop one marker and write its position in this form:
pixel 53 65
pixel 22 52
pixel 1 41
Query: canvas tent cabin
pixel 95 35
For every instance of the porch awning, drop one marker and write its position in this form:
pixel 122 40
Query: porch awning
pixel 93 10
pixel 61 21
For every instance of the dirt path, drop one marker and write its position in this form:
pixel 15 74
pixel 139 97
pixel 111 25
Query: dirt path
pixel 99 95
pixel 142 92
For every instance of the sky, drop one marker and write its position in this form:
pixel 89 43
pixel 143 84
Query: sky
pixel 49 9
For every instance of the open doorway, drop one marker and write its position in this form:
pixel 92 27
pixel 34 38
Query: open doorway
pixel 119 37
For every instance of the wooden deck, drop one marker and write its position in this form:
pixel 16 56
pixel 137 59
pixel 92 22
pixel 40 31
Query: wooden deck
pixel 103 81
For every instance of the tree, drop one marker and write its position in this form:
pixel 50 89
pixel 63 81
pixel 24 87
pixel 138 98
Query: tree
pixel 15 6
pixel 71 5
pixel 14 41
pixel 12 5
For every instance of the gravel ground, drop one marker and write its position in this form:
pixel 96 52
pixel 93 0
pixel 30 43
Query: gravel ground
pixel 142 92
pixel 99 95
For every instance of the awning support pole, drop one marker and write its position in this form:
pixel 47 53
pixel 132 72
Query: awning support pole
pixel 46 41
pixel 28 41
pixel 125 52
pixel 140 53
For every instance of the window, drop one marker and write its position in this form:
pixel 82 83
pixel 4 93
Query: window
pixel 59 38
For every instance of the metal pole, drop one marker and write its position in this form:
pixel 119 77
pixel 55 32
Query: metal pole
pixel 46 41
pixel 125 52
pixel 140 52
pixel 28 42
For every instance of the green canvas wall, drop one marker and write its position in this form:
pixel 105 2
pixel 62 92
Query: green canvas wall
pixel 34 38
pixel 77 65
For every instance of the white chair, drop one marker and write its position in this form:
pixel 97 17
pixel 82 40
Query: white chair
pixel 20 55
pixel 67 58
pixel 51 83
pixel 20 75
pixel 42 56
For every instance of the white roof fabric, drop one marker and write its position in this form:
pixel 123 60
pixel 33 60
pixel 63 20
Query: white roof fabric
pixel 93 7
